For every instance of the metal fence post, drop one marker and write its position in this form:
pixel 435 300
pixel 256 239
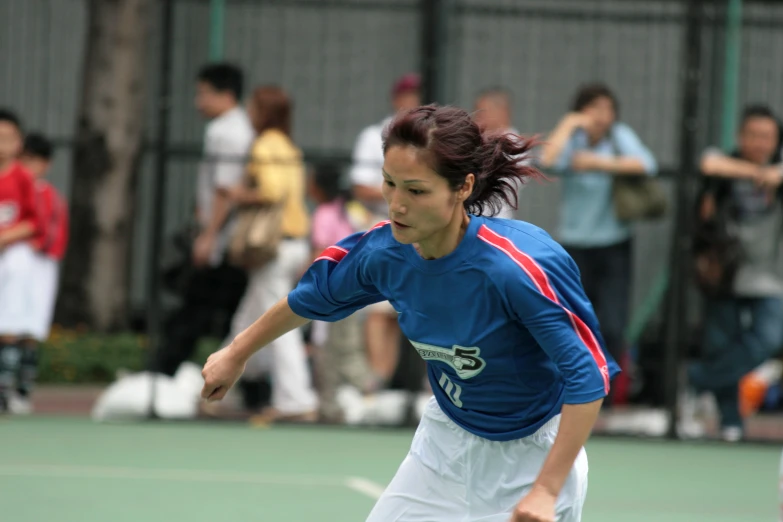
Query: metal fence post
pixel 434 15
pixel 677 324
pixel 154 319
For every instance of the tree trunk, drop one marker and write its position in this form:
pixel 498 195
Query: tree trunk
pixel 108 142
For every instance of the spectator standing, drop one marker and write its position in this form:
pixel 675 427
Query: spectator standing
pixel 214 287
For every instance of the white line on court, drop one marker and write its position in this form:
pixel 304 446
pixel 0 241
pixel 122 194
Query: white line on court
pixel 361 485
pixel 365 486
pixel 187 475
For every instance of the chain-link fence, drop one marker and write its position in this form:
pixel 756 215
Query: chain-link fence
pixel 338 59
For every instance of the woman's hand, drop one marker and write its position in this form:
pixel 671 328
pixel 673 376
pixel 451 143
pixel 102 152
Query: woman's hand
pixel 577 120
pixel 221 371
pixel 537 506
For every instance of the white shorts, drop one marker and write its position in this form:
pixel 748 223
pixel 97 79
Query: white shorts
pixel 16 300
pixel 450 475
pixel 45 279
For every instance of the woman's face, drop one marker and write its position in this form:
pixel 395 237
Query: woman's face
pixel 421 203
pixel 602 116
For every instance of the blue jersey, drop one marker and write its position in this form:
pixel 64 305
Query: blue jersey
pixel 502 321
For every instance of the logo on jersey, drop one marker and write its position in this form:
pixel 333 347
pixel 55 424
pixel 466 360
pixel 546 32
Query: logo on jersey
pixel 8 213
pixel 465 360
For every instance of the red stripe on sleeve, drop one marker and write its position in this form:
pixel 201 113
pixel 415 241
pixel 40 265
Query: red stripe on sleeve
pixel 541 281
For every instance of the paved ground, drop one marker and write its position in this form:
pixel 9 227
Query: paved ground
pixel 69 469
pixel 78 401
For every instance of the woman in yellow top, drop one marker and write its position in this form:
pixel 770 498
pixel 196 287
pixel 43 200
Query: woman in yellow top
pixel 277 169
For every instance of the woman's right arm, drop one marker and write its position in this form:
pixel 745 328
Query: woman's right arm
pixel 559 137
pixel 334 287
pixel 276 322
pixel 223 368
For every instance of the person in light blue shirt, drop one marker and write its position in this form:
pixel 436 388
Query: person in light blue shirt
pixel 496 309
pixel 588 148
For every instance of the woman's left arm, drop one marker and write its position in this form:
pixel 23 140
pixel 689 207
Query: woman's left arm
pixel 576 424
pixel 550 302
pixel 634 157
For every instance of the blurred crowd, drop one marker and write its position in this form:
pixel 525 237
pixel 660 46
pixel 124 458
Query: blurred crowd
pixel 263 213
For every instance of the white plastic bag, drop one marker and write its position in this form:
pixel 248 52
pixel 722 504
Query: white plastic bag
pixel 128 398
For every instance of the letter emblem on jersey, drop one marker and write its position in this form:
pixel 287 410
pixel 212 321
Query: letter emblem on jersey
pixel 8 213
pixel 465 360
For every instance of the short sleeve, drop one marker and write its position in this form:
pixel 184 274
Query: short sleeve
pixel 712 152
pixel 337 284
pixel 547 298
pixel 631 146
pixel 274 165
pixel 563 160
pixel 63 224
pixel 368 158
pixel 30 210
pixel 228 149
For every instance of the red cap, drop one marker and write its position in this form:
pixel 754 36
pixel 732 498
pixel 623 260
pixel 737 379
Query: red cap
pixel 406 83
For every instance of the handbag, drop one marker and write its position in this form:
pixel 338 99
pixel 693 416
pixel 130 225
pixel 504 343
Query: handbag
pixel 257 233
pixel 717 255
pixel 717 251
pixel 636 198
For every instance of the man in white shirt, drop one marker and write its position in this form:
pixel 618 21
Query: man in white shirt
pixel 214 288
pixel 228 137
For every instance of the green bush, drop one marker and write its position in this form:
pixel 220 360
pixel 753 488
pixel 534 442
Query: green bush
pixel 70 356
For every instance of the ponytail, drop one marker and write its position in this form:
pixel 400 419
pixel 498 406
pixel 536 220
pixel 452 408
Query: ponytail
pixel 504 164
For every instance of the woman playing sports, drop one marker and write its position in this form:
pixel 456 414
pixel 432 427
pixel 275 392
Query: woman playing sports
pixel 496 308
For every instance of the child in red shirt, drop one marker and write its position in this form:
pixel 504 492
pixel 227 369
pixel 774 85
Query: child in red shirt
pixel 18 224
pixel 49 244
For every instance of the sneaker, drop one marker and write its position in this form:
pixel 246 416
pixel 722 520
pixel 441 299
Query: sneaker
pixel 691 429
pixel 690 426
pixel 19 405
pixel 731 434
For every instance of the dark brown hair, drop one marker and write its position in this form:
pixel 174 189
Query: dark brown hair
pixel 454 147
pixel 270 108
pixel 223 77
pixel 587 94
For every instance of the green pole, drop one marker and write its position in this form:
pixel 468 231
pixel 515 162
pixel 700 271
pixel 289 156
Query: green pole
pixel 217 12
pixel 731 72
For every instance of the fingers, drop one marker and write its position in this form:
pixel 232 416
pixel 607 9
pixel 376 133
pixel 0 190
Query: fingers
pixel 210 386
pixel 207 391
pixel 216 384
pixel 213 392
pixel 217 394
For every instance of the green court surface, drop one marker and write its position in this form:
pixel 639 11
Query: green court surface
pixel 72 470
